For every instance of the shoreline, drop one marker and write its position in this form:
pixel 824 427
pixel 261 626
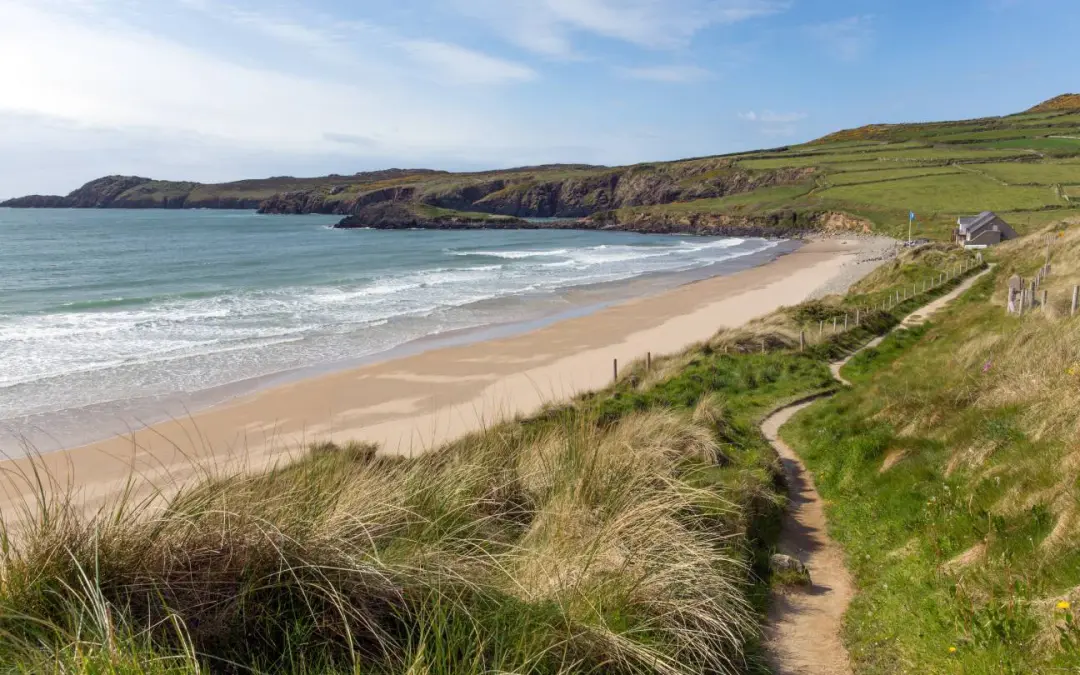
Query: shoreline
pixel 60 429
pixel 411 404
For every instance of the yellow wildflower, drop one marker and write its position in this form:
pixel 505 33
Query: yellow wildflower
pixel 952 650
pixel 1064 604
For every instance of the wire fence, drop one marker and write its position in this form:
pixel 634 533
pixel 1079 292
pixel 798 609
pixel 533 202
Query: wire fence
pixel 853 317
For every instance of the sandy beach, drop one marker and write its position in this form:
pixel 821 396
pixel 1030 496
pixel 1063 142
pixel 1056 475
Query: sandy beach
pixel 412 404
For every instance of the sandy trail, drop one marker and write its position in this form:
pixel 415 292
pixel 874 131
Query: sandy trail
pixel 803 631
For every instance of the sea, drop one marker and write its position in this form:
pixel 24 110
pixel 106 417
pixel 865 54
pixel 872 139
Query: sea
pixel 114 319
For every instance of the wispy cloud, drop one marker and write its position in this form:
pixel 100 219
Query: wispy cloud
pixel 668 74
pixel 465 66
pixel 846 39
pixel 71 71
pixel 770 117
pixel 774 124
pixel 547 26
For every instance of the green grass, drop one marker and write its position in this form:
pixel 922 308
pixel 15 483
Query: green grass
pixel 856 177
pixel 1025 222
pixel 1051 146
pixel 953 194
pixel 1042 173
pixel 976 413
pixel 886 156
pixel 437 213
pixel 1001 134
pixel 764 198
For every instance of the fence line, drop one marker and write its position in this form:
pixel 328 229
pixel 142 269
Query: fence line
pixel 893 298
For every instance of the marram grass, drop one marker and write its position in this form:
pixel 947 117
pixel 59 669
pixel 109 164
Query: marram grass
pixel 626 531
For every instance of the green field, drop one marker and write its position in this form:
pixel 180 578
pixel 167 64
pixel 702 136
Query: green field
pixel 766 198
pixel 856 177
pixel 948 193
pixel 1053 146
pixel 1017 173
pixel 1003 134
pixel 886 157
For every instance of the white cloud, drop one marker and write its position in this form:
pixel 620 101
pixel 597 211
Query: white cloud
pixel 770 117
pixel 465 66
pixel 845 39
pixel 774 124
pixel 110 76
pixel 546 26
pixel 669 74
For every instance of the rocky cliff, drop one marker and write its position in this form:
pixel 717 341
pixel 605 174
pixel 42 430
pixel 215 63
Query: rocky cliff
pixel 550 194
pixel 401 216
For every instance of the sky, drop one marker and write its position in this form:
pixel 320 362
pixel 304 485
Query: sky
pixel 217 90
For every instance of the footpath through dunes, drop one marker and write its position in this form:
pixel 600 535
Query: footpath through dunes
pixel 803 634
pixel 627 529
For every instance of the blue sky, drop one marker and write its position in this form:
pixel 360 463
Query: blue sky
pixel 216 90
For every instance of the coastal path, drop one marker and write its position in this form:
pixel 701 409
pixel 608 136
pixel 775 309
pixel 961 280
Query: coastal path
pixel 802 635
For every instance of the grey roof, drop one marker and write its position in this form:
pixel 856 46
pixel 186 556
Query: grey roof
pixel 976 223
pixel 985 221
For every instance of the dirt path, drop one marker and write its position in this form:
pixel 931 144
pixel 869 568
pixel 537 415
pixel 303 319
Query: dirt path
pixel 802 636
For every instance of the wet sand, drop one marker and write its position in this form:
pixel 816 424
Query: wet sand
pixel 412 404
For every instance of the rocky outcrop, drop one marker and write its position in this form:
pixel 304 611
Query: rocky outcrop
pixel 37 202
pixel 100 193
pixel 401 216
pixel 777 223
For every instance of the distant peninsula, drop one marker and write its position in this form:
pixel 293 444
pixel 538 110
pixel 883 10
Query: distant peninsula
pixel 1023 166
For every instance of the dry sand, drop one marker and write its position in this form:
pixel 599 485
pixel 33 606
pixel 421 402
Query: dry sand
pixel 411 404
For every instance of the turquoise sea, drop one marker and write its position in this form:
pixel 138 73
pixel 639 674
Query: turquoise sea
pixel 113 314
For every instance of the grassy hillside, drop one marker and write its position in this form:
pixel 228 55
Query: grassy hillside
pixel 1025 166
pixel 953 478
pixel 627 531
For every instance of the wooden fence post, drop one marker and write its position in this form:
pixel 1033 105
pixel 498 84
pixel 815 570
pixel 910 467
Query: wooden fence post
pixel 1044 302
pixel 648 361
pixel 1075 300
pixel 762 345
pixel 615 370
pixel 821 329
pixel 858 316
pixel 834 325
pixel 802 341
pixel 845 320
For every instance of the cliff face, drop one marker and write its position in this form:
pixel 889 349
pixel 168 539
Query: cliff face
pixel 575 195
pixel 100 193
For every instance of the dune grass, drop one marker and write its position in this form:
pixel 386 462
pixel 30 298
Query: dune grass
pixel 595 537
pixel 951 473
pixel 625 531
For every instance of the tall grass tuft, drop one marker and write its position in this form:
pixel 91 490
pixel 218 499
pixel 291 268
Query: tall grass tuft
pixel 554 545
